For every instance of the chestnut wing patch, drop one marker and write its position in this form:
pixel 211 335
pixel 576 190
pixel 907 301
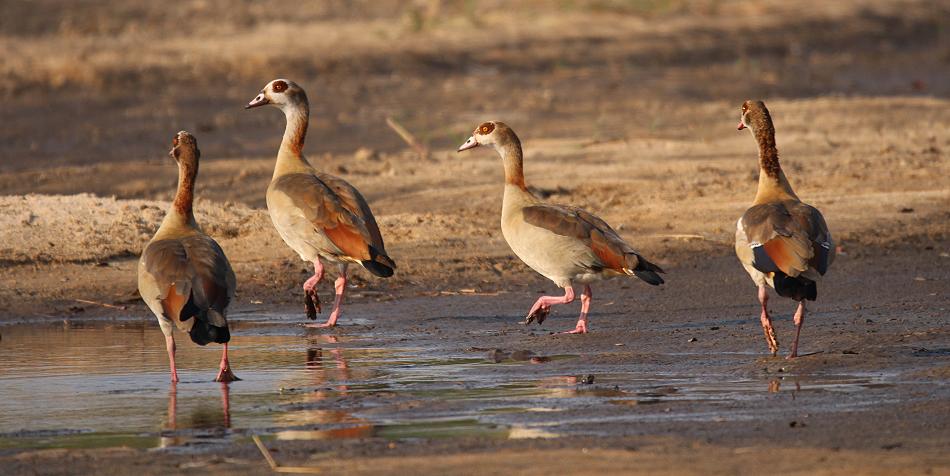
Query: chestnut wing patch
pixel 606 244
pixel 351 199
pixel 788 236
pixel 167 262
pixel 327 212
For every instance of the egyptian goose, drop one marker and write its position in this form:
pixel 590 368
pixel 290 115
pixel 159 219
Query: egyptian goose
pixel 564 244
pixel 318 215
pixel 184 276
pixel 780 241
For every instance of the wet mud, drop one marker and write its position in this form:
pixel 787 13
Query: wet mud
pixel 459 372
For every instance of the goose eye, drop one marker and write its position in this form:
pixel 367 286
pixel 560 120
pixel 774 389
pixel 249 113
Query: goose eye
pixel 175 141
pixel 486 128
pixel 279 86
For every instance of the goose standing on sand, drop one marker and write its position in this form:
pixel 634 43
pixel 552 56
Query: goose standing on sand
pixel 184 276
pixel 780 241
pixel 564 244
pixel 318 215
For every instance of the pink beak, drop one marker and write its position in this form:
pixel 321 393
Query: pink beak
pixel 260 100
pixel 741 126
pixel 471 143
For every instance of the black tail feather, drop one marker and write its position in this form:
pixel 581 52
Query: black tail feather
pixel 797 288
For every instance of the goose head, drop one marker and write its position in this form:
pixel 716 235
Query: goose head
pixel 492 133
pixel 754 115
pixel 185 149
pixel 280 93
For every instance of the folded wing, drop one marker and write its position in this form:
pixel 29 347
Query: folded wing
pixel 610 249
pixel 189 277
pixel 788 237
pixel 337 210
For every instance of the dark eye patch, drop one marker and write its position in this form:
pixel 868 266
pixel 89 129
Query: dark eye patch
pixel 175 141
pixel 486 128
pixel 279 86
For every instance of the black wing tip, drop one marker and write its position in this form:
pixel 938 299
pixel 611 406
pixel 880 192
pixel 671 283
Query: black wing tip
pixel 655 268
pixel 379 269
pixel 649 277
pixel 647 271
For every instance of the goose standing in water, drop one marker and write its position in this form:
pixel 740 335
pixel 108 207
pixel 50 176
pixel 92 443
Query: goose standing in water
pixel 184 276
pixel 780 241
pixel 318 215
pixel 564 244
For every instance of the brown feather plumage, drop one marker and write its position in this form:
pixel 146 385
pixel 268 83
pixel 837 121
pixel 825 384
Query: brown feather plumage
pixel 612 251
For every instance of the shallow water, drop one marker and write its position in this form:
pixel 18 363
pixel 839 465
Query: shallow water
pixel 101 384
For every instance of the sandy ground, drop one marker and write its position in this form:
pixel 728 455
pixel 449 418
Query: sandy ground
pixel 625 108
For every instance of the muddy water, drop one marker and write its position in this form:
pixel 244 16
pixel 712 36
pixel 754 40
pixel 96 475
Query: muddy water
pixel 98 384
pixel 101 384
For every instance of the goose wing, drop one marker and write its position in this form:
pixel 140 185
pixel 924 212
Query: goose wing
pixel 339 217
pixel 609 248
pixel 787 236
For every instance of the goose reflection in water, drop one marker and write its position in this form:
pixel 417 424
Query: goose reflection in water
pixel 324 365
pixel 775 385
pixel 201 417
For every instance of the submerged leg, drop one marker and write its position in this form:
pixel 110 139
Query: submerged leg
pixel 767 321
pixel 340 287
pixel 225 374
pixel 311 299
pixel 170 347
pixel 542 307
pixel 799 321
pixel 581 327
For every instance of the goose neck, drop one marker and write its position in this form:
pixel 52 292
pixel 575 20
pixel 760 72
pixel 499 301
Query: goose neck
pixel 182 211
pixel 772 180
pixel 513 161
pixel 290 156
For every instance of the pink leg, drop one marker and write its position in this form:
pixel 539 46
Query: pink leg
pixel 799 321
pixel 225 374
pixel 170 347
pixel 340 287
pixel 312 300
pixel 767 321
pixel 542 307
pixel 581 327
